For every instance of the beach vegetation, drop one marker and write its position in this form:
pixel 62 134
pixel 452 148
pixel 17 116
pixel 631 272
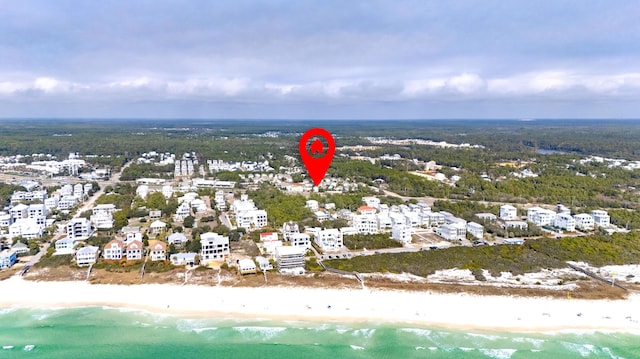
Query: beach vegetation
pixel 370 241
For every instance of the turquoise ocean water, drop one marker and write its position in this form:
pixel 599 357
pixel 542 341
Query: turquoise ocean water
pixel 118 333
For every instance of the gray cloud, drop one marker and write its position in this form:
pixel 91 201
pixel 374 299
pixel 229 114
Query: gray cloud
pixel 265 58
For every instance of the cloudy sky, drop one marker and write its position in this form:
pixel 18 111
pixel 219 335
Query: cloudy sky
pixel 320 59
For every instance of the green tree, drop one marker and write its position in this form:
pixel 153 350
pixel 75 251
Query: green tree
pixel 188 221
pixel 120 220
pixel 156 200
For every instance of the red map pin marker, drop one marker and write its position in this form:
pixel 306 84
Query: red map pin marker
pixel 315 154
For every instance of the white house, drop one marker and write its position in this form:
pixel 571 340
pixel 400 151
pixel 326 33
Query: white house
pixel 584 221
pixel 508 212
pixel 540 216
pixel 475 229
pixel 65 246
pixel 486 216
pixel 182 212
pixel 289 229
pixel 384 222
pixel 104 208
pixel 436 219
pixel 19 211
pixel 215 247
pixel 401 233
pixel 28 228
pixel 79 228
pixel 371 201
pixel 134 250
pixel 37 210
pixel 87 255
pixel 453 231
pixel 20 248
pixel 180 259
pixel 516 224
pixel 264 263
pixel 131 234
pixel 329 239
pixel 290 260
pixel 114 250
pixel 157 227
pixel 157 250
pixel 601 218
pixel 102 220
pixel 565 221
pixel 365 223
pixel 312 204
pixel 300 240
pixel 247 266
pixel 177 239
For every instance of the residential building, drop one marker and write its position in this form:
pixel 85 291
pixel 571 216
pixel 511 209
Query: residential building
pixel 87 255
pixel 565 221
pixel 561 208
pixel 289 229
pixel 65 246
pixel 290 260
pixel 182 212
pixel 28 228
pixel 263 263
pixel 365 223
pixel 384 222
pixel 19 211
pixel 508 212
pixel 584 222
pixel 157 227
pixel 102 220
pixel 312 204
pixel 329 239
pixel 7 259
pixel 37 210
pixel 134 251
pixel 157 250
pixel 475 229
pixel 79 228
pixel 453 231
pixel 401 233
pixel 104 208
pixel 131 234
pixel 20 248
pixel 436 219
pixel 300 240
pixel 214 247
pixel 177 239
pixel 366 210
pixel 181 259
pixel 540 216
pixel 247 266
pixel 372 202
pixel 601 218
pixel 113 250
pixel 487 216
pixel 516 224
pixel 321 216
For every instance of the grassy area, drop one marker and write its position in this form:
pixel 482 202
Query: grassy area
pixel 533 256
pixel 370 241
pixel 51 261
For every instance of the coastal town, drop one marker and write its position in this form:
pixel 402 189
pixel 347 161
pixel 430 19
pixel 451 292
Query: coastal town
pixel 70 209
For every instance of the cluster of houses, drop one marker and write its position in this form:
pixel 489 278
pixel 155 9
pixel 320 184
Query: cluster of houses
pixel 247 215
pixel 244 166
pixel 561 218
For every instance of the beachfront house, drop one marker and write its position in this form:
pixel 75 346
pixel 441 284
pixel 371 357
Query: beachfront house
pixel 215 247
pixel 113 250
pixel 7 259
pixel 263 263
pixel 290 260
pixel 65 246
pixel 20 248
pixel 134 250
pixel 181 259
pixel 157 250
pixel 87 255
pixel 247 266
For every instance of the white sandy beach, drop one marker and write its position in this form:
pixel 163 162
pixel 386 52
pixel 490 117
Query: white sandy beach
pixel 461 311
